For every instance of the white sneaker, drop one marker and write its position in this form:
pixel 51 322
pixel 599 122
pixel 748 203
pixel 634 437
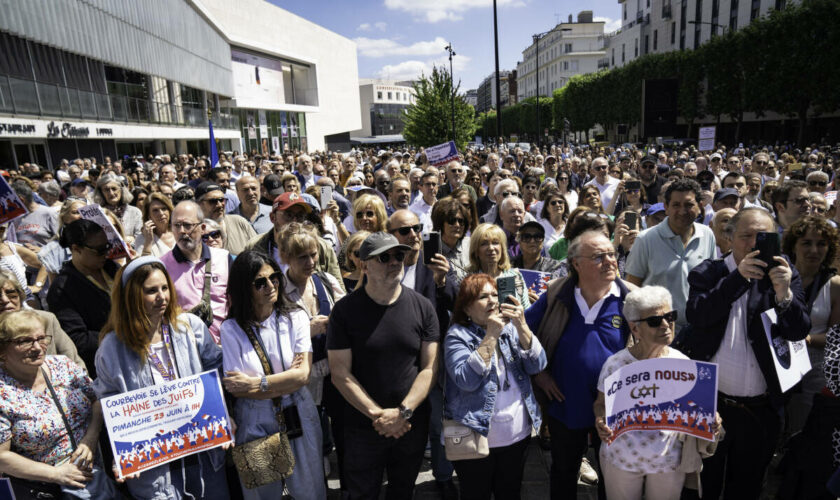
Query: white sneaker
pixel 587 473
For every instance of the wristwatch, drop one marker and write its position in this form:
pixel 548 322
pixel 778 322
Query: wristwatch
pixel 406 413
pixel 264 384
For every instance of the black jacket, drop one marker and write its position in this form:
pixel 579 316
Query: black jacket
pixel 82 309
pixel 713 289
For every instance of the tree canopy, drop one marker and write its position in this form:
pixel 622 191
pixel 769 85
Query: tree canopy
pixel 428 121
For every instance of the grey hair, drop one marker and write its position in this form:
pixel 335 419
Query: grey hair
pixel 509 183
pixel 574 247
pixel 644 299
pixel 50 188
pixel 126 196
pixel 817 174
pixel 395 163
pixel 508 201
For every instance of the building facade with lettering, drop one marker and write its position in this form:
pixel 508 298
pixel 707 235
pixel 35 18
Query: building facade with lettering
pixel 125 81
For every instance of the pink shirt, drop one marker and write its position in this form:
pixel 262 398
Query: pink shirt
pixel 188 278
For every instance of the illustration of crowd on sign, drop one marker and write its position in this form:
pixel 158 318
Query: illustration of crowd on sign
pixel 201 434
pixel 687 417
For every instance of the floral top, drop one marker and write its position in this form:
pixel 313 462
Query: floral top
pixel 32 421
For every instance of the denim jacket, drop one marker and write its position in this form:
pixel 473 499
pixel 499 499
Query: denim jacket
pixel 119 370
pixel 471 386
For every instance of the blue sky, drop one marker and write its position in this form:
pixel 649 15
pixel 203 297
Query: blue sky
pixel 401 38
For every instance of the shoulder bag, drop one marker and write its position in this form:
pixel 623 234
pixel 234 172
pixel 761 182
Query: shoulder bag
pixel 270 458
pixel 204 309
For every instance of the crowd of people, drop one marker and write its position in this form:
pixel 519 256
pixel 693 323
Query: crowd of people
pixel 380 307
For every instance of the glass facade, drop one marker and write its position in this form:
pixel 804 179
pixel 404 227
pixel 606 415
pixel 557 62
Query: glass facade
pixel 386 119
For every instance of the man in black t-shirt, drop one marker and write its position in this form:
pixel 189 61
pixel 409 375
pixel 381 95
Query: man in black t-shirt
pixel 382 343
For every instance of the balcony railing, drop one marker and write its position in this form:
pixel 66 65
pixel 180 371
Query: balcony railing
pixel 27 97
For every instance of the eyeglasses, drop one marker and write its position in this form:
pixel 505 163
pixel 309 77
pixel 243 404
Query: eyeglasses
pixel 505 194
pixel 186 227
pixel 598 258
pixel 370 214
pixel 212 235
pixel 456 221
pixel 562 179
pixel 654 321
pixel 215 201
pixel 262 281
pixel 599 168
pixel 386 257
pixel 555 203
pixel 101 250
pixel 526 237
pixel 29 342
pixel 417 228
pixel 818 183
pixel 648 166
pixel 758 162
pixel 800 201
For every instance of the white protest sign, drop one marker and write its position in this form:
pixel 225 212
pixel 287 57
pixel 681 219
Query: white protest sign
pixel 95 214
pixel 442 153
pixel 706 140
pixel 789 358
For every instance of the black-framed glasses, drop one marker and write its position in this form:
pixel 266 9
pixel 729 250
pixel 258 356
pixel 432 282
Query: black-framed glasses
pixel 456 221
pixel 386 257
pixel 212 235
pixel 262 281
pixel 654 321
pixel 186 227
pixel 818 183
pixel 528 237
pixel 556 203
pixel 417 228
pixel 800 200
pixel 599 168
pixel 100 250
pixel 214 201
pixel 370 214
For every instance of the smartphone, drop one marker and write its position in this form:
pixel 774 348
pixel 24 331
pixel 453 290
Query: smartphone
pixel 631 220
pixel 769 245
pixel 431 246
pixel 632 185
pixel 326 196
pixel 506 287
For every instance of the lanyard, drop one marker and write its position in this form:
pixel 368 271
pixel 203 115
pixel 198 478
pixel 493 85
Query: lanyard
pixel 167 374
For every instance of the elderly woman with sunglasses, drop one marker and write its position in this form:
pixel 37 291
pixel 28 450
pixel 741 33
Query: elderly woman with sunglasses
pixel 213 234
pixel 80 296
pixel 262 317
pixel 451 219
pixel 553 216
pixel 646 460
pixel 148 340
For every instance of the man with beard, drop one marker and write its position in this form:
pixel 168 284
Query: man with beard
pixel 190 258
pixel 650 179
pixel 250 208
pixel 666 254
pixel 237 230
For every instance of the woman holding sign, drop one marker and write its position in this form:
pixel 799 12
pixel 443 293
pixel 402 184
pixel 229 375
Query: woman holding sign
pixel 643 460
pixel 149 342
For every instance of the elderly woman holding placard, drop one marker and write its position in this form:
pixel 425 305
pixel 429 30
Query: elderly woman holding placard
pixel 646 460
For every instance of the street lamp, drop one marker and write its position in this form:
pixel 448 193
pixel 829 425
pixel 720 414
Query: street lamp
pixel 452 81
pixel 498 84
pixel 715 25
pixel 537 39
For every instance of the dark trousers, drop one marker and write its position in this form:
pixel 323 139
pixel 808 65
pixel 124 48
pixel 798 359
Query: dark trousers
pixel 441 467
pixel 568 446
pixel 500 473
pixel 334 403
pixel 369 455
pixel 737 468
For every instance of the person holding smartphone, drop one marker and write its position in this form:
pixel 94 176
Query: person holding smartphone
pixel 629 195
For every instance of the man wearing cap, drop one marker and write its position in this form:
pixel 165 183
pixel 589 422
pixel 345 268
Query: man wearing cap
pixel 606 184
pixel 726 198
pixel 716 161
pixel 79 189
pixel 291 207
pixel 650 179
pixel 238 231
pixel 257 214
pixel 382 343
pixel 665 254
pixel 272 187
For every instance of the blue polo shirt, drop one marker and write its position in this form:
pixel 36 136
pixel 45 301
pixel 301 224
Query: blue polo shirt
pixel 591 336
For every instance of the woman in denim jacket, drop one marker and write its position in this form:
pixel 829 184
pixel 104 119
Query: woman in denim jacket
pixel 488 393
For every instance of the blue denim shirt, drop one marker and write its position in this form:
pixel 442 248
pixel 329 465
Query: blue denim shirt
pixel 471 385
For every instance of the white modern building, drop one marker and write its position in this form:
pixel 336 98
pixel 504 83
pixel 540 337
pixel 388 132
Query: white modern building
pixel 656 26
pixel 382 104
pixel 568 49
pixel 81 78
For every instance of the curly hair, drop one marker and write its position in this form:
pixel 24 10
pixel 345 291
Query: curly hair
pixel 798 229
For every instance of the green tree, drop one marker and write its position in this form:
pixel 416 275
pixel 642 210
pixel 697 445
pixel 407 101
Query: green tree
pixel 528 116
pixel 428 121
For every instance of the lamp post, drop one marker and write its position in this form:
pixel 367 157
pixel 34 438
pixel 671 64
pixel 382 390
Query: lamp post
pixel 452 81
pixel 537 39
pixel 498 84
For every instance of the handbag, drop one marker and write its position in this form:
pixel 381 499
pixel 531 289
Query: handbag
pixel 462 442
pixel 267 459
pixel 204 309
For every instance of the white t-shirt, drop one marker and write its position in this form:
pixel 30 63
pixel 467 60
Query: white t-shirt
pixel 607 190
pixel 642 452
pixel 163 355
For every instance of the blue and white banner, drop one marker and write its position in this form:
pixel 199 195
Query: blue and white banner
pixel 161 423
pixel 663 394
pixel 442 153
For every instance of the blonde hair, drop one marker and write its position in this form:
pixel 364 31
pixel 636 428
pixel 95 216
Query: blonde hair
pixel 296 238
pixel 481 234
pixel 375 202
pixel 16 324
pixel 356 240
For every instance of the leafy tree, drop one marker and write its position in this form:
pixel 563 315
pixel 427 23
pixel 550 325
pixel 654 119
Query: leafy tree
pixel 528 116
pixel 428 121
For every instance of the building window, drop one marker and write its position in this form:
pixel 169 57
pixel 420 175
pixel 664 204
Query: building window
pixel 733 15
pixel 781 4
pixel 625 12
pixel 568 48
pixel 565 65
pixel 622 53
pixel 636 48
pixel 647 44
pixel 612 60
pixel 389 96
pixel 673 33
pixel 655 39
pixel 755 9
pixel 379 95
pixel 574 65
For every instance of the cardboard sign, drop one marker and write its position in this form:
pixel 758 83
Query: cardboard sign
pixel 790 359
pixel 94 213
pixel 536 281
pixel 442 153
pixel 11 206
pixel 663 394
pixel 155 425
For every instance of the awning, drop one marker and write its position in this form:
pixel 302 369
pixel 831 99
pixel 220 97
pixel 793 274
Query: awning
pixel 380 139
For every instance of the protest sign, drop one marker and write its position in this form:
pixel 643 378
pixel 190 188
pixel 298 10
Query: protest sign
pixel 11 205
pixel 830 197
pixel 663 394
pixel 155 425
pixel 536 281
pixel 706 139
pixel 790 358
pixel 95 214
pixel 442 153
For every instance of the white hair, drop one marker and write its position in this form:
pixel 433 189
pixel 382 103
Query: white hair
pixel 508 201
pixel 644 299
pixel 505 183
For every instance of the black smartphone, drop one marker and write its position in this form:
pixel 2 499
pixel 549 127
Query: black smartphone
pixel 506 287
pixel 769 244
pixel 632 185
pixel 631 220
pixel 431 246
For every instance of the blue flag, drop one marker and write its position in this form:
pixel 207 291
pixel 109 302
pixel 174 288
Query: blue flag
pixel 214 153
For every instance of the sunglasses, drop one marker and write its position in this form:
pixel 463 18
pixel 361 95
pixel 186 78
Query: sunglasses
pixel 367 213
pixel 386 257
pixel 599 168
pixel 648 166
pixel 555 203
pixel 505 194
pixel 103 250
pixel 456 221
pixel 262 282
pixel 417 228
pixel 212 235
pixel 526 237
pixel 818 183
pixel 215 201
pixel 654 321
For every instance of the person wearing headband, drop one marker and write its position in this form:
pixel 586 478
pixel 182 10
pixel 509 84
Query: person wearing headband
pixel 148 340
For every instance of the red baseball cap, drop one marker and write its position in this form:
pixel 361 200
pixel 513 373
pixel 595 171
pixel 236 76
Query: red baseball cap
pixel 287 200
